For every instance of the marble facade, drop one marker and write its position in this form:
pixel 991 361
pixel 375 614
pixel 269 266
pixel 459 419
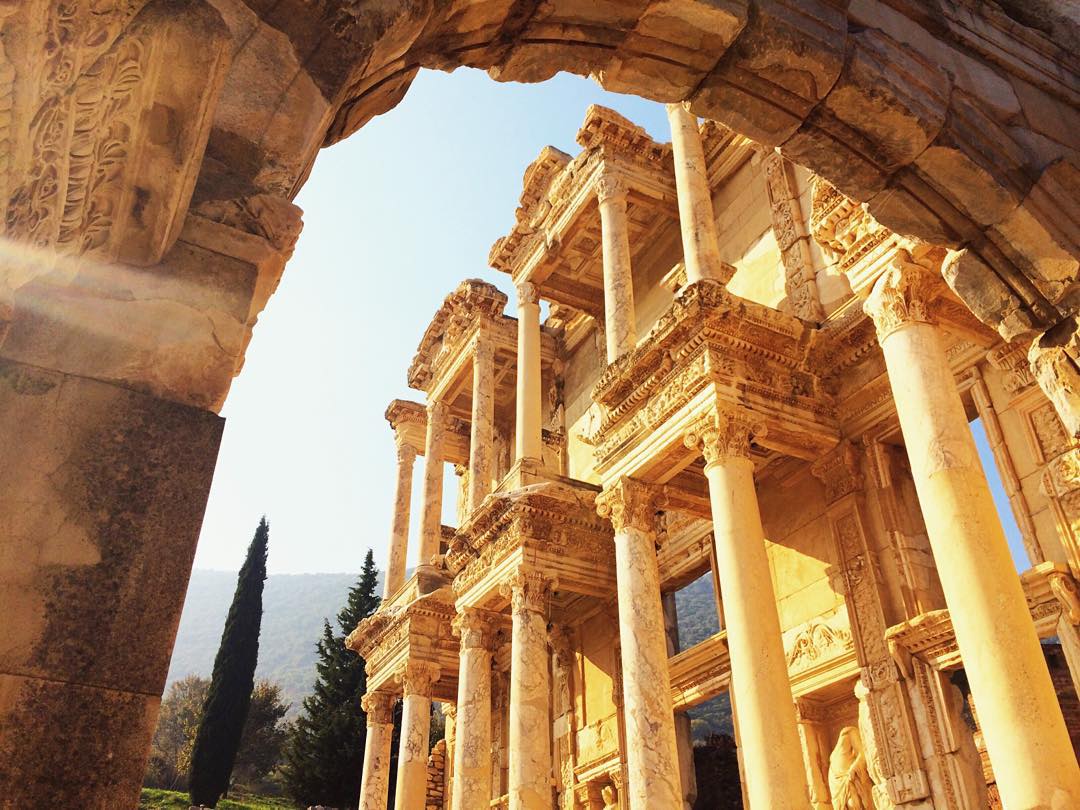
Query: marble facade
pixel 150 151
pixel 787 412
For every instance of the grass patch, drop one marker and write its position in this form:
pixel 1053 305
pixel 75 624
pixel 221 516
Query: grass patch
pixel 172 800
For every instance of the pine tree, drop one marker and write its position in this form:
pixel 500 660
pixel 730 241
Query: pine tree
pixel 232 682
pixel 324 758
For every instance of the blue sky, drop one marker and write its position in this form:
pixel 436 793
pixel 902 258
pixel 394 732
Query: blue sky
pixel 394 217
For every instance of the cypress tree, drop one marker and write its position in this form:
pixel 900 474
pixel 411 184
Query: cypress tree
pixel 232 682
pixel 324 757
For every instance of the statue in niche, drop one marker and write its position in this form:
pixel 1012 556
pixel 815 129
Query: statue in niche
pixel 849 781
pixel 611 800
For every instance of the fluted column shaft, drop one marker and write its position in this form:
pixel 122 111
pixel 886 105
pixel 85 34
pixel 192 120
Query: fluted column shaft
pixel 701 248
pixel 529 440
pixel 472 749
pixel 652 755
pixel 1021 720
pixel 399 525
pixel 482 436
pixel 416 680
pixel 530 694
pixel 619 318
pixel 374 786
pixel 431 518
pixel 769 737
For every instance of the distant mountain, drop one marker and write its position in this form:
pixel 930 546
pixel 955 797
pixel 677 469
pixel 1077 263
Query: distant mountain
pixel 294 606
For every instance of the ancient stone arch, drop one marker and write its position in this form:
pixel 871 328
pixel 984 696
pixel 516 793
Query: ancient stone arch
pixel 149 151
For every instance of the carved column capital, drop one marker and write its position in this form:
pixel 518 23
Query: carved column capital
pixel 406 453
pixel 726 433
pixel 1066 591
pixel 437 410
pixel 379 707
pixel 839 471
pixel 527 293
pixel 610 187
pixel 418 678
pixel 529 591
pixel 630 504
pixel 902 295
pixel 476 628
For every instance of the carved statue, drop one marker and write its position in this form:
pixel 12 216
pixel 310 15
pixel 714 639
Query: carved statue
pixel 611 801
pixel 874 766
pixel 849 781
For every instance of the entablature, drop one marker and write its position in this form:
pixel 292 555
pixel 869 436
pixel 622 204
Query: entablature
pixel 409 422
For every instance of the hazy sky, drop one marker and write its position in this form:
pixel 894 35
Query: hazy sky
pixel 394 218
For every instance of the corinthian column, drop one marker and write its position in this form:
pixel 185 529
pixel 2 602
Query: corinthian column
pixel 1021 721
pixel 399 526
pixel 483 420
pixel 530 693
pixel 472 749
pixel 619 319
pixel 652 756
pixel 417 678
pixel 701 249
pixel 431 517
pixel 768 735
pixel 529 441
pixel 379 707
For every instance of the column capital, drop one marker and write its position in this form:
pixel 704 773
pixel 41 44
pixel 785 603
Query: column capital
pixel 476 628
pixel 839 471
pixel 902 295
pixel 725 433
pixel 418 678
pixel 610 186
pixel 630 504
pixel 527 293
pixel 406 453
pixel 437 410
pixel 529 591
pixel 379 707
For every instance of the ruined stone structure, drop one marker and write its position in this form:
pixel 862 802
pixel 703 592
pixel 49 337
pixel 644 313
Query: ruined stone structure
pixel 742 372
pixel 149 150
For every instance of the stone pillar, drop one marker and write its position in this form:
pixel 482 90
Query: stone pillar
pixel 472 730
pixel 701 248
pixel 1022 724
pixel 652 757
pixel 530 693
pixel 379 707
pixel 529 439
pixel 417 678
pixel 482 436
pixel 102 492
pixel 768 735
pixel 431 518
pixel 620 329
pixel 684 739
pixel 399 525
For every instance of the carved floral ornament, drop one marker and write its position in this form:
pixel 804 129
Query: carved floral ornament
pixel 902 295
pixel 418 678
pixel 726 433
pixel 529 591
pixel 379 707
pixel 630 504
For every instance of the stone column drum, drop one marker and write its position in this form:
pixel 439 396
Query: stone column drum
pixel 620 327
pixel 483 421
pixel 769 737
pixel 375 785
pixel 431 518
pixel 472 749
pixel 416 682
pixel 1021 720
pixel 530 694
pixel 652 755
pixel 399 526
pixel 529 440
pixel 701 248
